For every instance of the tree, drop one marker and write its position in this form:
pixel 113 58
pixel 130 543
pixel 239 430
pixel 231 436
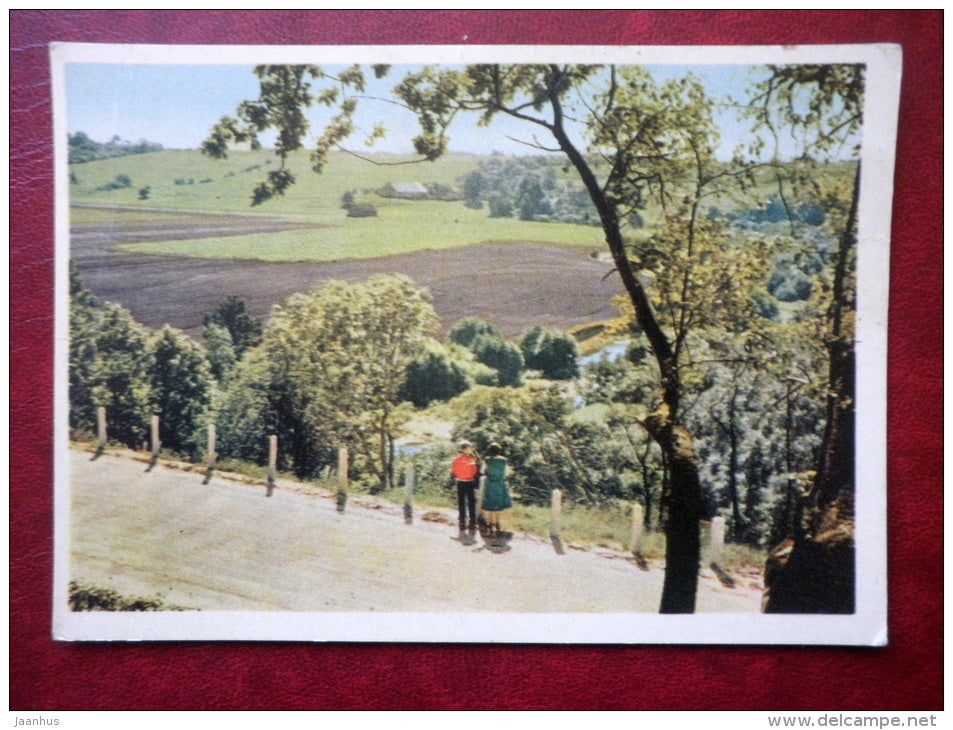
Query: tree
pixel 181 382
pixel 502 356
pixel 251 406
pixel 643 139
pixel 433 375
pixel 473 185
pixel 490 348
pixel 109 362
pixel 466 331
pixel 232 314
pixel 340 356
pixel 531 199
pixel 814 571
pixel 555 354
pixel 219 349
pixel 83 149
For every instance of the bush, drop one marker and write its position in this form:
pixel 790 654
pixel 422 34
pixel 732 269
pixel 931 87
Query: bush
pixel 790 286
pixel 502 356
pixel 361 210
pixel 232 314
pixel 554 354
pixel 434 375
pixel 120 182
pixel 500 207
pixel 466 331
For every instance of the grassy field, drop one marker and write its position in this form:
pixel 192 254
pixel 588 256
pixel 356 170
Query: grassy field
pixel 188 180
pixel 401 226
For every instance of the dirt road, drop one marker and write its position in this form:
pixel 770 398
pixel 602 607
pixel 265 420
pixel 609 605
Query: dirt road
pixel 225 545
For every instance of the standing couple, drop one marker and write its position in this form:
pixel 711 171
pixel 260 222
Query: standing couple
pixel 496 495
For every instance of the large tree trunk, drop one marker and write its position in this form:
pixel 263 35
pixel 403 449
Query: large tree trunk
pixel 684 507
pixel 814 571
pixel 682 531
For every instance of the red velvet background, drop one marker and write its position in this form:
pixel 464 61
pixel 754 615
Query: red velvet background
pixel 907 675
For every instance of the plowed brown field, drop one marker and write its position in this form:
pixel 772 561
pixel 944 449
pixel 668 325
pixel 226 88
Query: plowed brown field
pixel 514 285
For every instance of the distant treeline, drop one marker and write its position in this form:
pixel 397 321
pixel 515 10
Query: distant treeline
pixel 84 149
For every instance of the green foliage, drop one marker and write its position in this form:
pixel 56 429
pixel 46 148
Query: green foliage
pixel 490 348
pixel 473 186
pixel 547 448
pixel 820 105
pixel 361 210
pixel 776 210
pixel 219 349
pixel 117 364
pixel 795 272
pixel 790 286
pixel 619 380
pixel 120 182
pixel 531 200
pixel 181 383
pixel 253 405
pixel 432 481
pixel 285 94
pixel 555 354
pixel 329 371
pixel 527 187
pixel 466 331
pixel 232 314
pixel 83 149
pixel 109 363
pixel 502 356
pixel 433 376
pixel 400 226
pixel 327 374
pixel 500 206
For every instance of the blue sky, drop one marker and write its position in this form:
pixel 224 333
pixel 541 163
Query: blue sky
pixel 176 104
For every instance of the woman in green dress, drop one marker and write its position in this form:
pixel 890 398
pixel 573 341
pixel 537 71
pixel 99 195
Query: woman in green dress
pixel 496 496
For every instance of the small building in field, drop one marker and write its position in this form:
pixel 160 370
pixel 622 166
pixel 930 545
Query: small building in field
pixel 406 190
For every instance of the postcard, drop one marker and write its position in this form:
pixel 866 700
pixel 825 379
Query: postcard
pixel 472 344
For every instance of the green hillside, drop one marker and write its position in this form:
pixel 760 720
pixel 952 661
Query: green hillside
pixel 187 180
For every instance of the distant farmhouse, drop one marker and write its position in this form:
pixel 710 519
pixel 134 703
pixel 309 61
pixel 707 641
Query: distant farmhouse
pixel 406 190
pixel 419 191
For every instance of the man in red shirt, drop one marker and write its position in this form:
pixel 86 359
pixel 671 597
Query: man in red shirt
pixel 466 474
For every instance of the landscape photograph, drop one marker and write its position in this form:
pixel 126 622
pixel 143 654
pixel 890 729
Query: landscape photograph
pixel 645 286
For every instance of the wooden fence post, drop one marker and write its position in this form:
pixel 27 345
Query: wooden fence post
pixel 717 532
pixel 210 454
pixel 481 487
pixel 154 433
pixel 155 444
pixel 409 495
pixel 101 429
pixel 554 526
pixel 272 463
pixel 716 555
pixel 342 479
pixel 638 526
